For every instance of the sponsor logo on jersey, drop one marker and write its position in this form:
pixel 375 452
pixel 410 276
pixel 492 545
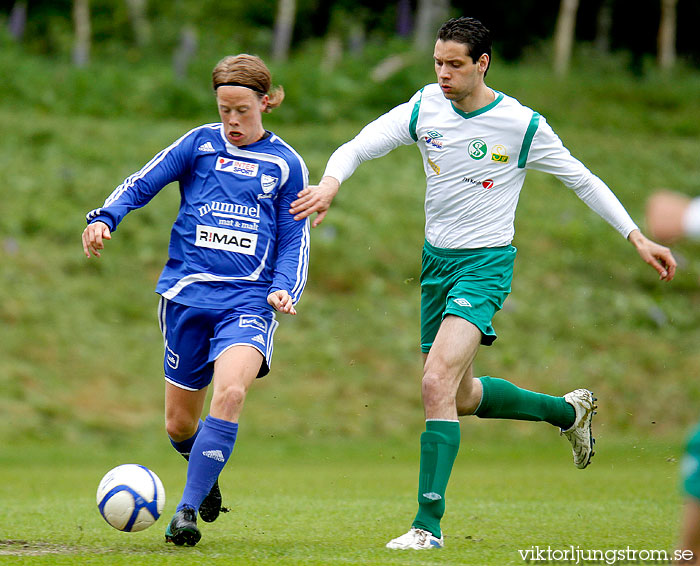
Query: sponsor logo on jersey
pixel 434 166
pixel 230 210
pixel 477 149
pixel 259 339
pixel 432 138
pixel 268 183
pixel 227 240
pixel 253 321
pixel 236 166
pixel 499 154
pixel 172 358
pixel 437 144
pixel 235 215
pixel 462 302
pixel 206 147
pixel 487 184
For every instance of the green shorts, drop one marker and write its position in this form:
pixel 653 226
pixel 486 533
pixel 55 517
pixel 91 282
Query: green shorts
pixel 471 284
pixel 691 465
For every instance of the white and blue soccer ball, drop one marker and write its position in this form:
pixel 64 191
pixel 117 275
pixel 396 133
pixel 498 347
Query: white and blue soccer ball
pixel 130 497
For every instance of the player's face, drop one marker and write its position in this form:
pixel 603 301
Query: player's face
pixel 458 75
pixel 241 114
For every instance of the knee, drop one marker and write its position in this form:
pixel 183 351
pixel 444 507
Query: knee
pixel 180 428
pixel 434 388
pixel 231 397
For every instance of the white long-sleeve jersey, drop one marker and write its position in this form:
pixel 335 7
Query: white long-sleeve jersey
pixel 475 165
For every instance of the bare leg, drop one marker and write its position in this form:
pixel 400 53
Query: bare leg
pixel 234 372
pixel 446 366
pixel 183 410
pixel 448 369
pixel 690 535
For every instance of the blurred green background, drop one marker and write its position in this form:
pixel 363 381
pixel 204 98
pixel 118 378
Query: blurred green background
pixel 80 350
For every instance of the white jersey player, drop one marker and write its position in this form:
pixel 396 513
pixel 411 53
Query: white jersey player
pixel 476 144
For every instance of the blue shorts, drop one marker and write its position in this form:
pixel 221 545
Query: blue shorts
pixel 196 337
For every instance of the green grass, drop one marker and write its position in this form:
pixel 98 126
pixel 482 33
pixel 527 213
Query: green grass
pixel 328 449
pixel 80 351
pixel 338 502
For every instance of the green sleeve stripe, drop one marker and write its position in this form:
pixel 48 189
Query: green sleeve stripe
pixel 414 117
pixel 527 140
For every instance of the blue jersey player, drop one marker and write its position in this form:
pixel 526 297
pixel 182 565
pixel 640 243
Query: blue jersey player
pixel 236 255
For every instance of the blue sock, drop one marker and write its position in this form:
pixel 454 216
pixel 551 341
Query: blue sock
pixel 210 452
pixel 185 447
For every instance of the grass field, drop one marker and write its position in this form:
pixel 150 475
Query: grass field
pixel 80 349
pixel 325 470
pixel 338 502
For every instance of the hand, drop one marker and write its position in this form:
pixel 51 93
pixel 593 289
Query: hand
pixel 659 257
pixel 315 198
pixel 93 237
pixel 282 302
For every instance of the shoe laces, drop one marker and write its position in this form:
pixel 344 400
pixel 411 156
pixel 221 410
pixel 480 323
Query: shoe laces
pixel 423 536
pixel 189 514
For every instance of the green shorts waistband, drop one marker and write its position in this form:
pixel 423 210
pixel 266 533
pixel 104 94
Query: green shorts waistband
pixel 464 252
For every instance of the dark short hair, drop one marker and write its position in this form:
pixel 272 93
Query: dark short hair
pixel 469 31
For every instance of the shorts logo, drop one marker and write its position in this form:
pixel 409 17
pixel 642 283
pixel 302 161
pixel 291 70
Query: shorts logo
pixel 462 302
pixel 238 167
pixel 477 149
pixel 172 359
pixel 268 183
pixel 227 240
pixel 499 154
pixel 259 339
pixel 253 321
pixel 487 184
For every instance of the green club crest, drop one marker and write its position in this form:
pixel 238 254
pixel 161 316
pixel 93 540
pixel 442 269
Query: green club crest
pixel 477 149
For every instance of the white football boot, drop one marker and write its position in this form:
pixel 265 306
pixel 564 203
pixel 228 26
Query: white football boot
pixel 416 539
pixel 580 434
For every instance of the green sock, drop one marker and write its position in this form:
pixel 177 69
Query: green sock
pixel 439 446
pixel 503 400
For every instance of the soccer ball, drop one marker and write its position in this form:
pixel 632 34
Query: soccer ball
pixel 130 497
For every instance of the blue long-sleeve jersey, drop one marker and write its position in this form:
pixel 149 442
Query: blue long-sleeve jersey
pixel 234 240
